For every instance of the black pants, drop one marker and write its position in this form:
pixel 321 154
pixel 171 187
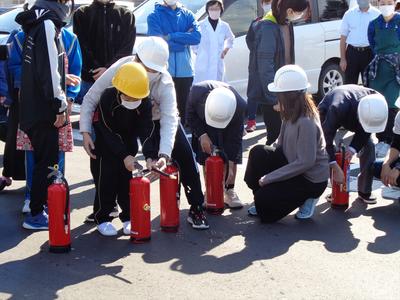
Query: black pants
pixel 378 170
pixel 13 159
pixel 387 135
pixel 183 154
pixel 357 61
pixel 44 139
pixel 273 122
pixel 182 88
pixel 276 200
pixel 111 180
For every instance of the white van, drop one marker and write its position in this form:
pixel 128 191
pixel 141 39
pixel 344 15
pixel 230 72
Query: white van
pixel 316 39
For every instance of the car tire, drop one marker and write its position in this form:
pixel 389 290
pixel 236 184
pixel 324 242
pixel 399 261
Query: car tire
pixel 331 76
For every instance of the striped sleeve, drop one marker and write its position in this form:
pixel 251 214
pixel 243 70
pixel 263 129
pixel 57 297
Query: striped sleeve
pixel 53 54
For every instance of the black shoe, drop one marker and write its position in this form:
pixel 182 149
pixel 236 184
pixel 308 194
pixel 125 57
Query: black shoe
pixel 114 214
pixel 90 218
pixel 371 199
pixel 4 183
pixel 197 218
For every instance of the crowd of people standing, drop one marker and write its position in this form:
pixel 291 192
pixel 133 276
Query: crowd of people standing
pixel 174 83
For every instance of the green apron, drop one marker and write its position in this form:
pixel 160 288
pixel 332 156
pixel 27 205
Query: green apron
pixel 386 42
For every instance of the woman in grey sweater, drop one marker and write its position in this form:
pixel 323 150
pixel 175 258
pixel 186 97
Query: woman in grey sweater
pixel 283 178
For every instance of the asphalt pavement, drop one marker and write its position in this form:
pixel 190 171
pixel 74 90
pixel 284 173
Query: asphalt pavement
pixel 352 254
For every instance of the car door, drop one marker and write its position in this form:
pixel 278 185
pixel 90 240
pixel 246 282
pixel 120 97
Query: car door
pixel 239 14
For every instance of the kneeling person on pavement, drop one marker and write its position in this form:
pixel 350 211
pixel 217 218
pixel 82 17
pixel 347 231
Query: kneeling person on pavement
pixel 215 114
pixel 389 170
pixel 359 110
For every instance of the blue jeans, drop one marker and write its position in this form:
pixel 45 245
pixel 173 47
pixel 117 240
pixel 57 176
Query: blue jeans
pixel 85 87
pixel 30 162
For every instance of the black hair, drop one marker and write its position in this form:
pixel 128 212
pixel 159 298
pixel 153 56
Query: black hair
pixel 213 2
pixel 280 7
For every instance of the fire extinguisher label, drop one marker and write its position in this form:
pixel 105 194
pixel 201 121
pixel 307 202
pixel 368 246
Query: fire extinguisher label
pixel 146 207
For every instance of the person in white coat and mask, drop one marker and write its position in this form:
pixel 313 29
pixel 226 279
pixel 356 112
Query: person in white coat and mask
pixel 216 40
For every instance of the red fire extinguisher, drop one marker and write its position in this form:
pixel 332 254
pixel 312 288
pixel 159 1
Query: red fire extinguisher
pixel 139 194
pixel 59 213
pixel 215 183
pixel 169 199
pixel 340 192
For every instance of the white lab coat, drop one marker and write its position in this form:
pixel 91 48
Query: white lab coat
pixel 209 65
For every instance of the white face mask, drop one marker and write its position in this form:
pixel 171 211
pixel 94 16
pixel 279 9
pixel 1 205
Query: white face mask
pixel 266 8
pixel 214 14
pixel 131 105
pixel 152 76
pixel 171 2
pixel 386 10
pixel 295 17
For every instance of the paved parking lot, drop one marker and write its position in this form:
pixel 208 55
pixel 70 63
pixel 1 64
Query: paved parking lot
pixel 353 254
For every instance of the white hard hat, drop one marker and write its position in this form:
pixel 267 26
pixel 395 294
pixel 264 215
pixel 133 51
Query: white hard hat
pixel 373 113
pixel 153 52
pixel 288 79
pixel 220 107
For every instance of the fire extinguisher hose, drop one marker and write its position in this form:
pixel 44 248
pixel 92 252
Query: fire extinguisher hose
pixel 66 209
pixel 224 157
pixel 173 161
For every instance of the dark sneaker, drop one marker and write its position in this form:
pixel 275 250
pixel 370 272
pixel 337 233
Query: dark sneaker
pixel 368 200
pixel 90 218
pixel 114 214
pixel 4 182
pixel 197 218
pixel 38 222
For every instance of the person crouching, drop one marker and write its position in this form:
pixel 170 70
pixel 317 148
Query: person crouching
pixel 122 116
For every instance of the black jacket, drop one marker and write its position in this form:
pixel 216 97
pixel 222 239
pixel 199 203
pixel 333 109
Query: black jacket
pixel 117 128
pixel 195 116
pixel 43 68
pixel 339 109
pixel 267 54
pixel 106 33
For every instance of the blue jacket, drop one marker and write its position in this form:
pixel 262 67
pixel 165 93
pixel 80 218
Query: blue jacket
pixel 3 91
pixel 72 48
pixel 5 81
pixel 180 29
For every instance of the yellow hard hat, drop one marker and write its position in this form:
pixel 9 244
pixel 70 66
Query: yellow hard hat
pixel 131 79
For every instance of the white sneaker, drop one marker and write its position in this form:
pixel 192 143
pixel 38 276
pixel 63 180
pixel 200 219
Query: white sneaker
pixel 307 209
pixel 26 209
pixel 107 229
pixel 381 149
pixel 231 199
pixel 127 227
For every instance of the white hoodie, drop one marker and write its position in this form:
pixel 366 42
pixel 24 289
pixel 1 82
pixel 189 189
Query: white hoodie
pixel 162 95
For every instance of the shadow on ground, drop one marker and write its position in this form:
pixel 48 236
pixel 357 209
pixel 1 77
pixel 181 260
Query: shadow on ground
pixel 189 252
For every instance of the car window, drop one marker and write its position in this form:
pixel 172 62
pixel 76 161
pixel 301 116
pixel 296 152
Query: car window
pixel 239 14
pixel 7 21
pixel 330 10
pixel 143 10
